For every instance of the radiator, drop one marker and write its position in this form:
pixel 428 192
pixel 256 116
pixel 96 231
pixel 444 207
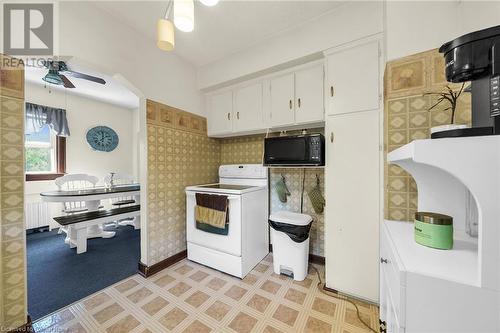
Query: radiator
pixel 36 214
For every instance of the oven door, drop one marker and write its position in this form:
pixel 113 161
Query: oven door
pixel 230 243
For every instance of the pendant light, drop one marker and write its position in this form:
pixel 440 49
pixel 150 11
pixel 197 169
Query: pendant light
pixel 165 35
pixel 209 3
pixel 184 15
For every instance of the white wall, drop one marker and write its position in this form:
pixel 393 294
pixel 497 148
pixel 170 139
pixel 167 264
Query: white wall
pixel 106 43
pixel 417 26
pixel 410 27
pixel 82 114
pixel 345 23
pixel 476 15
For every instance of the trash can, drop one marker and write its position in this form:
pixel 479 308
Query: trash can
pixel 290 239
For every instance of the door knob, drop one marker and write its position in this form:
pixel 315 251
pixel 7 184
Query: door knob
pixel 383 261
pixel 331 137
pixel 238 115
pixel 228 116
pixel 290 104
pixel 298 102
pixel 331 91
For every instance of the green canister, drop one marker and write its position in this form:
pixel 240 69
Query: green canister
pixel 434 230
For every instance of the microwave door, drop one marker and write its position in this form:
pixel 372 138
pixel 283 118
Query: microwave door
pixel 288 151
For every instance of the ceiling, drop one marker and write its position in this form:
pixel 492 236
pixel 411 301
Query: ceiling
pixel 112 92
pixel 224 29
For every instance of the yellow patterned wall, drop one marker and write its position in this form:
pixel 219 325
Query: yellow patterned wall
pixel 249 149
pixel 179 154
pixel 293 179
pixel 239 150
pixel 407 118
pixel 13 307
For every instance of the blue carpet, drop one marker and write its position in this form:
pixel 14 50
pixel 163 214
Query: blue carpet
pixel 57 276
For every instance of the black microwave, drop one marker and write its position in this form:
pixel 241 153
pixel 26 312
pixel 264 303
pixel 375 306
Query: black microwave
pixel 300 150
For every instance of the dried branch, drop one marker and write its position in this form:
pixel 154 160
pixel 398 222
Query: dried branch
pixel 450 96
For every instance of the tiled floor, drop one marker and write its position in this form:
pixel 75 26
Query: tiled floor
pixel 188 297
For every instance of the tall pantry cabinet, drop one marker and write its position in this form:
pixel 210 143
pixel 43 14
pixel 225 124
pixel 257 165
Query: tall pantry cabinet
pixel 353 102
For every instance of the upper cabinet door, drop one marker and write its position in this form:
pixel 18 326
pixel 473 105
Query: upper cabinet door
pixel 353 78
pixel 309 101
pixel 220 109
pixel 282 101
pixel 248 114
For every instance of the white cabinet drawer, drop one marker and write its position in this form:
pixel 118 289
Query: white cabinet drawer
pixel 394 277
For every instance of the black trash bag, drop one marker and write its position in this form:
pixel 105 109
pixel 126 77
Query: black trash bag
pixel 297 233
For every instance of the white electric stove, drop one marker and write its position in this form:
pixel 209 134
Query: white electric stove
pixel 247 241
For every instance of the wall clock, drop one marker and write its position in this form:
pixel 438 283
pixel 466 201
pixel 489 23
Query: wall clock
pixel 102 138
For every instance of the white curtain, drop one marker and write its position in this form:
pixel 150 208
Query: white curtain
pixel 39 115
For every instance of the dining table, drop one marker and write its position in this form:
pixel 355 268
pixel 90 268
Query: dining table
pixel 92 198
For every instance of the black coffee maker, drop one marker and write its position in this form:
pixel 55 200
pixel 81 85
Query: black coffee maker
pixel 475 57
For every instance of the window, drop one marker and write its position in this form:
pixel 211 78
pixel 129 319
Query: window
pixel 45 155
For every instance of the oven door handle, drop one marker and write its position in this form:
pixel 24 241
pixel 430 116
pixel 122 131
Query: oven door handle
pixel 230 197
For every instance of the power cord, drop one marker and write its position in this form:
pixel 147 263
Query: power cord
pixel 302 190
pixel 342 298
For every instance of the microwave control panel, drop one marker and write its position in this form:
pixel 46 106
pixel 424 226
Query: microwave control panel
pixel 315 148
pixel 495 96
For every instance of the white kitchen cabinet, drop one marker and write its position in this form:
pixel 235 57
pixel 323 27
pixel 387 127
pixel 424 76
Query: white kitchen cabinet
pixel 282 101
pixel 353 78
pixel 297 98
pixel 352 177
pixel 220 113
pixel 309 101
pixel 455 290
pixel 420 292
pixel 291 99
pixel 248 108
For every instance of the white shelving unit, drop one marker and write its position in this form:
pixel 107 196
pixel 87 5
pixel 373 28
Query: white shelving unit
pixel 459 264
pixel 456 289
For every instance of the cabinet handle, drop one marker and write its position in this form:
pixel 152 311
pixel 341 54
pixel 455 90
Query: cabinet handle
pixel 238 115
pixel 383 261
pixel 290 104
pixel 331 137
pixel 331 91
pixel 228 116
pixel 299 102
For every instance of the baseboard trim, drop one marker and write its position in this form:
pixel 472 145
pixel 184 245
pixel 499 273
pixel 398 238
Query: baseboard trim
pixel 147 271
pixel 351 297
pixel 28 327
pixel 330 290
pixel 313 258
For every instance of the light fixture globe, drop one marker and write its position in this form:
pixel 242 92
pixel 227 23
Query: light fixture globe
pixel 53 77
pixel 209 3
pixel 184 15
pixel 165 35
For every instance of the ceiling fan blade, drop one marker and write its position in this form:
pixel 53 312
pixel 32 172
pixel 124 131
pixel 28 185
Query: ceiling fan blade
pixel 85 77
pixel 67 82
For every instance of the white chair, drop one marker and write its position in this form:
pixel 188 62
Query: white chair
pixel 74 182
pixel 121 179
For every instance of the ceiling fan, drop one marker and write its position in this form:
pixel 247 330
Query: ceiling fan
pixel 58 71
